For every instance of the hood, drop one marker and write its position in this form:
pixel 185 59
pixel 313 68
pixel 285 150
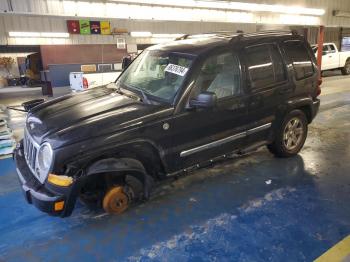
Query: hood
pixel 92 113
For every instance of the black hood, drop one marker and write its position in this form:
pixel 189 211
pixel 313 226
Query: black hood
pixel 92 113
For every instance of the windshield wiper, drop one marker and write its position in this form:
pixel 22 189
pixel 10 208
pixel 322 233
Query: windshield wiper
pixel 144 97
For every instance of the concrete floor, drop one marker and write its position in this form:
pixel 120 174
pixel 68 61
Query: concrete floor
pixel 229 212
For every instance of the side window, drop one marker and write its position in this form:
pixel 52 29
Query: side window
pixel 219 74
pixel 265 65
pixel 332 48
pixel 325 48
pixel 300 58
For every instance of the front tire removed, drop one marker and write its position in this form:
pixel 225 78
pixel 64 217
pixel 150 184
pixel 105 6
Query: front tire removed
pixel 291 135
pixel 116 201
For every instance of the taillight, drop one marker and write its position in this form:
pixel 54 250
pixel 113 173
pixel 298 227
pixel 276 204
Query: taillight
pixel 85 83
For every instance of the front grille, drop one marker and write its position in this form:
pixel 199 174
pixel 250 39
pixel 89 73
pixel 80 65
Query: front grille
pixel 30 151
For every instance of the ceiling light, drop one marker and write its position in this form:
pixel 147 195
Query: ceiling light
pixel 24 34
pixel 49 34
pixel 230 6
pixel 38 34
pixel 166 35
pixel 141 34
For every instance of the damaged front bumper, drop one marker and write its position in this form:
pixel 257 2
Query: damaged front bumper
pixel 48 198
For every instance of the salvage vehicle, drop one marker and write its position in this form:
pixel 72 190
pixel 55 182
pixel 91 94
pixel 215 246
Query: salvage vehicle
pixel 178 106
pixel 333 59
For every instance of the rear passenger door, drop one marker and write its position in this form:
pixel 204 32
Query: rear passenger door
pixel 267 84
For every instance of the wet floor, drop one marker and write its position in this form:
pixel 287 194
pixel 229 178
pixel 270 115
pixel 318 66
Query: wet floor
pixel 250 208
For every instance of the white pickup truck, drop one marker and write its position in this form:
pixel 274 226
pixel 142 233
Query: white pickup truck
pixel 333 59
pixel 80 81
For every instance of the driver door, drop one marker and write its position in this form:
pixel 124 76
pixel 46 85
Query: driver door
pixel 200 134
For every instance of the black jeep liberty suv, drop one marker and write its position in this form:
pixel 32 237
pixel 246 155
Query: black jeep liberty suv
pixel 177 106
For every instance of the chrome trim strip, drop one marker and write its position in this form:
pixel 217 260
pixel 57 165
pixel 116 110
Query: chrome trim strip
pixel 212 144
pixel 224 140
pixel 258 129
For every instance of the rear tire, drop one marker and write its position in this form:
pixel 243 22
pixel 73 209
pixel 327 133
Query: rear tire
pixel 346 69
pixel 291 135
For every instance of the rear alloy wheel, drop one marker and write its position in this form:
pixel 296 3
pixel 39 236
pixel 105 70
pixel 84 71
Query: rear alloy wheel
pixel 115 201
pixel 346 69
pixel 291 136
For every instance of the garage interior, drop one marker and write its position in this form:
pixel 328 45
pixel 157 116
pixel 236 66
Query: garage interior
pixel 247 207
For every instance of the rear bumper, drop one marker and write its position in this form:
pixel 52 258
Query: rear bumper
pixel 40 195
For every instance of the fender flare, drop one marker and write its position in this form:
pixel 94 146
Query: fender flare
pixel 295 103
pixel 119 165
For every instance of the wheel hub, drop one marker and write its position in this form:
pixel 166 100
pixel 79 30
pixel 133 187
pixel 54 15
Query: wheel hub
pixel 293 133
pixel 116 200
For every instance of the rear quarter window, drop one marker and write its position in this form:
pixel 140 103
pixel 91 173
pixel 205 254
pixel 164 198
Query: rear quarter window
pixel 265 65
pixel 299 56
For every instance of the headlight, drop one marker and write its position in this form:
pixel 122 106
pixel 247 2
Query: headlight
pixel 44 160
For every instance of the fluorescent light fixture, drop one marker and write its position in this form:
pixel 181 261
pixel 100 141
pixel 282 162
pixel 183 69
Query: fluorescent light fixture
pixel 299 19
pixel 166 35
pixel 223 5
pixel 54 35
pixel 39 34
pixel 156 40
pixel 24 34
pixel 141 34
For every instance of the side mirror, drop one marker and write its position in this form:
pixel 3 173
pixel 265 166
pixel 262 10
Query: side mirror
pixel 204 100
pixel 324 52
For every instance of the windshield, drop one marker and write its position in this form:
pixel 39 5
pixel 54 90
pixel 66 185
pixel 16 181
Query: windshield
pixel 156 73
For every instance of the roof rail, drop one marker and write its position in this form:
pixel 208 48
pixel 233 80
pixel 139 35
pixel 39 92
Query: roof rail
pixel 272 32
pixel 239 34
pixel 183 37
pixel 265 32
pixel 215 33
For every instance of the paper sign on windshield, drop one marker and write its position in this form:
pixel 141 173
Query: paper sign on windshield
pixel 176 69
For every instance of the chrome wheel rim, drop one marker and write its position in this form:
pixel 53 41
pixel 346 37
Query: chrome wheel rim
pixel 293 133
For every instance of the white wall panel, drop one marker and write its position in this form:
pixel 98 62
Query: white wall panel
pixel 51 16
pixel 122 11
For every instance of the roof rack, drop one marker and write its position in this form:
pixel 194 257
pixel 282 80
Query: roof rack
pixel 239 34
pixel 265 32
pixel 218 33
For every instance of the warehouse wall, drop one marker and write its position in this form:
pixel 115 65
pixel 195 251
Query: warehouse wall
pixel 80 54
pixel 23 23
pixel 51 16
pixel 101 8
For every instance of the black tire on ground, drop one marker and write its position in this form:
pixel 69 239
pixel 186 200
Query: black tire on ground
pixel 346 69
pixel 291 135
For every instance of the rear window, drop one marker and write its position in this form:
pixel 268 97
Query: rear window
pixel 265 65
pixel 298 54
